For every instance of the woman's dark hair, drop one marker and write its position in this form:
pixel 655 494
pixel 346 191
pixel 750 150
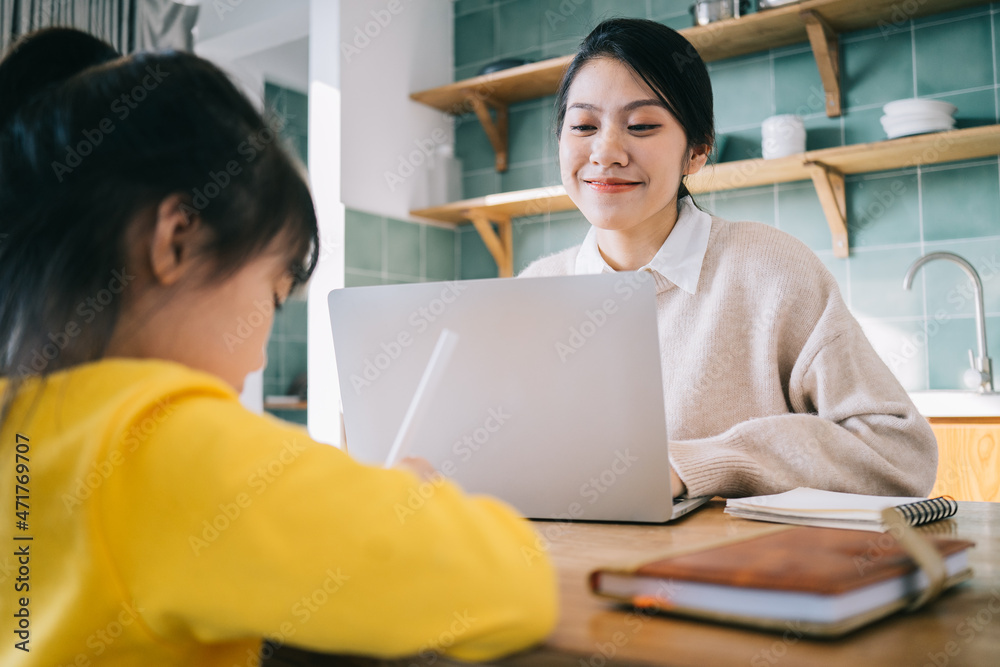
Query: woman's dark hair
pixel 90 144
pixel 664 60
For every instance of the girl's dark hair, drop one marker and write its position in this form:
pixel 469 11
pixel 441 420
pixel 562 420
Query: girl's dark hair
pixel 90 144
pixel 664 60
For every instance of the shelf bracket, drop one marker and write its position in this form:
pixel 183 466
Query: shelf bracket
pixel 501 245
pixel 829 184
pixel 496 130
pixel 826 48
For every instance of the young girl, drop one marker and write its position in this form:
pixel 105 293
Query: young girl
pixel 149 225
pixel 769 382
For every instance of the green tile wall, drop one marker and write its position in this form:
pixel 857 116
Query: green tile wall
pixel 286 353
pixel 385 251
pixel 293 107
pixel 286 348
pixel 894 216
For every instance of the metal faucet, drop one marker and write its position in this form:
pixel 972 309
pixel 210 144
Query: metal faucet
pixel 981 373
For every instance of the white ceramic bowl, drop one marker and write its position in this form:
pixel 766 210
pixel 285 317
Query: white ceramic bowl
pixel 919 106
pixel 904 129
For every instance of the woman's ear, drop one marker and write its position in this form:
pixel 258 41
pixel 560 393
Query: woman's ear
pixel 697 157
pixel 177 237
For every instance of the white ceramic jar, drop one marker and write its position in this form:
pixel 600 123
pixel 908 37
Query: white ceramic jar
pixel 782 135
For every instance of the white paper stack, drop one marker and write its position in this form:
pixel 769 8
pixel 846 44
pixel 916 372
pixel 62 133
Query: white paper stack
pixel 812 507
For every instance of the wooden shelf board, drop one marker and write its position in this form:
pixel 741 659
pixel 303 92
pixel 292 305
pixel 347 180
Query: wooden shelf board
pixel 516 84
pixel 782 26
pixel 280 405
pixel 716 41
pixel 536 201
pixel 899 153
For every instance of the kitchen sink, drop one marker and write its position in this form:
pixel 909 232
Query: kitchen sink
pixel 956 403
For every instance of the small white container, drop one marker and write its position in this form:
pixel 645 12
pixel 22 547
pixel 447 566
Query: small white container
pixel 444 176
pixel 782 136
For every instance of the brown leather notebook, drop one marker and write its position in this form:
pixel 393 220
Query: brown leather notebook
pixel 829 580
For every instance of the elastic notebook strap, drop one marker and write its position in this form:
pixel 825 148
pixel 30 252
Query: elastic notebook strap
pixel 923 553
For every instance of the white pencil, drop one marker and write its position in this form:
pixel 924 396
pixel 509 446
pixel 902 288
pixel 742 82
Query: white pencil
pixel 418 406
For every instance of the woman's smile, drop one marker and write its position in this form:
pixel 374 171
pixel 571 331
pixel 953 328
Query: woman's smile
pixel 611 185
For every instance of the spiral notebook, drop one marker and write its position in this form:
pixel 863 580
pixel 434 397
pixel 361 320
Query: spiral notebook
pixel 831 509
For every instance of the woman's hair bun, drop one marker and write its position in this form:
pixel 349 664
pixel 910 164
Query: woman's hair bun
pixel 44 58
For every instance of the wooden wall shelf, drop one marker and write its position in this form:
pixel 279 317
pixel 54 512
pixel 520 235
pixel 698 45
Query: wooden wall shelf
pixel 283 405
pixel 817 21
pixel 826 168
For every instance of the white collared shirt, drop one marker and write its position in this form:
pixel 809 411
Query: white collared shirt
pixel 678 260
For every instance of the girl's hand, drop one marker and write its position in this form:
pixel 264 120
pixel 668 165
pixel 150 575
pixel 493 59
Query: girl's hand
pixel 676 484
pixel 418 466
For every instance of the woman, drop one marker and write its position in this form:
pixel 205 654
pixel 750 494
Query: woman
pixel 769 382
pixel 146 210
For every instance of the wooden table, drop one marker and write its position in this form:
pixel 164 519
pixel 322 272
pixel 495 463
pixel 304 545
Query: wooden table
pixel 961 628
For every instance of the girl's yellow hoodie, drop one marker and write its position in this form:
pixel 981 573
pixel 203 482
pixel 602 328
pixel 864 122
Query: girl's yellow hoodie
pixel 164 524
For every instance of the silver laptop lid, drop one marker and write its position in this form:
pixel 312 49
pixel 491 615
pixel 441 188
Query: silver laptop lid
pixel 552 400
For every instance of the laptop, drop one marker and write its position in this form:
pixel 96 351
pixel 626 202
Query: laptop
pixel 552 399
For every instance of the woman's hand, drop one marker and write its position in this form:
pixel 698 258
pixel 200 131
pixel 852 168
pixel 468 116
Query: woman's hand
pixel 676 484
pixel 418 466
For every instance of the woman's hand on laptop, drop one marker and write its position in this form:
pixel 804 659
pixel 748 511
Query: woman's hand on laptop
pixel 676 483
pixel 418 466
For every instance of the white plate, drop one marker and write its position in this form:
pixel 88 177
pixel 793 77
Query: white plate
pixel 906 129
pixel 919 106
pixel 890 123
pixel 916 117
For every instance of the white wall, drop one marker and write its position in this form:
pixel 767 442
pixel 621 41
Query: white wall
pixel 385 57
pixel 255 40
pixel 325 144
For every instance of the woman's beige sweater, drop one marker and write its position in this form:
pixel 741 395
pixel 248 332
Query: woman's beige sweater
pixel 769 383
